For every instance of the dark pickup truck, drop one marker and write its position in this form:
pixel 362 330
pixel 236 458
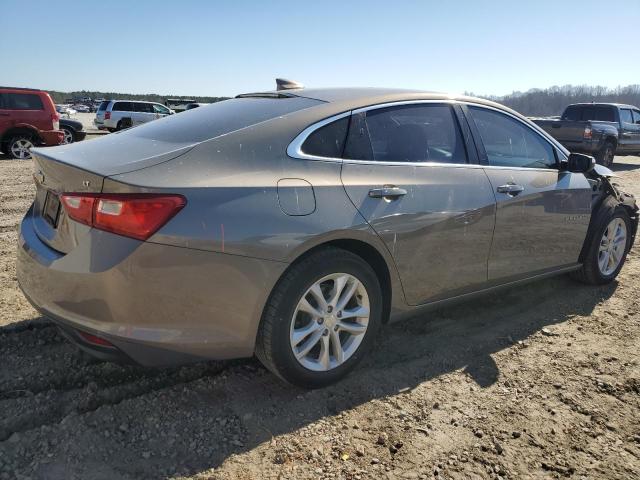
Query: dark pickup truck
pixel 599 129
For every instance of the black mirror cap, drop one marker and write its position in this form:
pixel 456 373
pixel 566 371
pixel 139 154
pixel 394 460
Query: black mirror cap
pixel 580 163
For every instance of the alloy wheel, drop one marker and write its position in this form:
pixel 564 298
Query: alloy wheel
pixel 21 148
pixel 612 246
pixel 329 322
pixel 68 137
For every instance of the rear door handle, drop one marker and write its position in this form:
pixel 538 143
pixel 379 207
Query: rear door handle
pixel 510 189
pixel 388 191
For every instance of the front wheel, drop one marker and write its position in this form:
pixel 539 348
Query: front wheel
pixel 607 244
pixel 320 319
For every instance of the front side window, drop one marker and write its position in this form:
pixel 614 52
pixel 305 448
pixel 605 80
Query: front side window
pixel 407 133
pixel 625 115
pixel 510 143
pixel 160 109
pixel 24 101
pixel 327 141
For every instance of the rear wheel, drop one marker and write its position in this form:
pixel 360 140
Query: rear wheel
pixel 320 319
pixel 20 147
pixel 607 244
pixel 605 155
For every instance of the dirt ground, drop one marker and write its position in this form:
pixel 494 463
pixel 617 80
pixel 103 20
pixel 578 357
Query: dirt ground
pixel 540 381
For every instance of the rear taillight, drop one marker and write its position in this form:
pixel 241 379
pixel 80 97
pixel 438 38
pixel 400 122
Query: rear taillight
pixel 132 215
pixel 587 133
pixel 55 119
pixel 95 340
pixel 107 115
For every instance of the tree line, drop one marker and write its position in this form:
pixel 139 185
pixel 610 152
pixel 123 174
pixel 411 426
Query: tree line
pixel 62 97
pixel 552 101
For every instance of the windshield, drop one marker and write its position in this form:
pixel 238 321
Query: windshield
pixel 210 121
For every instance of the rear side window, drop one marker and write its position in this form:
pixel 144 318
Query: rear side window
pixel 122 107
pixel 22 101
pixel 407 133
pixel 636 116
pixel 219 118
pixel 625 115
pixel 103 106
pixel 510 143
pixel 143 107
pixel 327 141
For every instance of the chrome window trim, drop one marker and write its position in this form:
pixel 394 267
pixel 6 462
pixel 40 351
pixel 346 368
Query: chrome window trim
pixel 294 149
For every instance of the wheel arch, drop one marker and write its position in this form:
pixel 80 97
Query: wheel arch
pixel 377 256
pixel 19 129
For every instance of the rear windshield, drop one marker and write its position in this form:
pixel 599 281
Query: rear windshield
pixel 103 106
pixel 209 121
pixel 590 112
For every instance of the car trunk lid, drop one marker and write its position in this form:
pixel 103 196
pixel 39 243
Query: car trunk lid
pixel 76 169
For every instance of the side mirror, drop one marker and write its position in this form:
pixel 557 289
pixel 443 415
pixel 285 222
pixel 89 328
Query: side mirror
pixel 580 163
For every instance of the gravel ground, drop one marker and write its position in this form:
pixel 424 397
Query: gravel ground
pixel 540 381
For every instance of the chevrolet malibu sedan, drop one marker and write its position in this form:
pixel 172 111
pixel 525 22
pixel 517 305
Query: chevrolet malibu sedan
pixel 293 224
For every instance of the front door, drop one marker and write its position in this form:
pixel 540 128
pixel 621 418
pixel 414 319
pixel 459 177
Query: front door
pixel 542 213
pixel 406 171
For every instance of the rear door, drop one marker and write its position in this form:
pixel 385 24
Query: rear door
pixel 542 213
pixel 636 121
pixel 143 113
pixel 406 170
pixel 629 131
pixel 5 115
pixel 26 108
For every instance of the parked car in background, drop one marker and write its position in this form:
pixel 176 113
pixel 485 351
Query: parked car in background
pixel 178 105
pixel 65 110
pixel 73 131
pixel 82 108
pixel 292 224
pixel 28 118
pixel 599 129
pixel 191 106
pixel 116 115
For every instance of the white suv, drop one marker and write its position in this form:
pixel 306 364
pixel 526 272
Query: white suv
pixel 115 115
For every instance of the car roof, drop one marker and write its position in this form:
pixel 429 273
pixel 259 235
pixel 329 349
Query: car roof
pixel 602 104
pixel 352 98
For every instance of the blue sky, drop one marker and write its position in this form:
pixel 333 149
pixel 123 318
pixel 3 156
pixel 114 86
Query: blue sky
pixel 222 48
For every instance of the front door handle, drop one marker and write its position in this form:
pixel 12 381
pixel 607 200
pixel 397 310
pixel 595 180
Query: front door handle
pixel 388 191
pixel 510 189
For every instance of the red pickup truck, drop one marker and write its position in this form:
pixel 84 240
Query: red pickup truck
pixel 28 118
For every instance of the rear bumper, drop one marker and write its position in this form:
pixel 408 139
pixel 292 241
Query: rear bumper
pixel 51 137
pixel 159 305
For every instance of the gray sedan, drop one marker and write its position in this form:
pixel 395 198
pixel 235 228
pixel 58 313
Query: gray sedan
pixel 293 224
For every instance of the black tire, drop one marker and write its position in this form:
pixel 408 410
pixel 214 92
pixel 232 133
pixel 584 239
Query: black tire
pixel 70 134
pixel 590 272
pixel 124 124
pixel 273 347
pixel 605 155
pixel 19 138
pixel 111 130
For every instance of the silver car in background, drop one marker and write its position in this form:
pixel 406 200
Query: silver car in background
pixel 292 224
pixel 114 115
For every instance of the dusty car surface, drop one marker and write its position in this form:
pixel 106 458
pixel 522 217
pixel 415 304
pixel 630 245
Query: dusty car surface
pixel 292 224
